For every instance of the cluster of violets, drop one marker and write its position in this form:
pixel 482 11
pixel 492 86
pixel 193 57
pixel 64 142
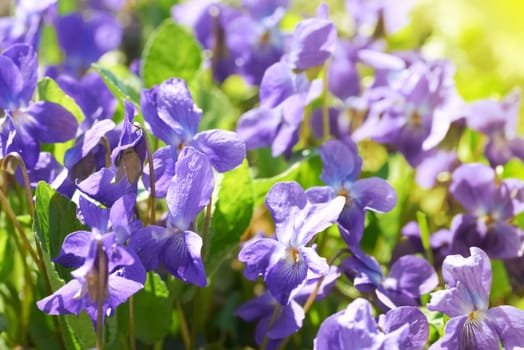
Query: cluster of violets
pixel 410 106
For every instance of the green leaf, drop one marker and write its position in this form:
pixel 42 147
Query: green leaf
pixel 501 287
pixel 55 218
pixel 49 51
pixel 153 310
pixel 6 246
pixel 171 51
pixel 48 90
pixel 121 82
pixel 514 169
pixel 231 215
pixel 401 176
pixel 424 235
pixel 66 6
pixel 305 172
pixel 218 111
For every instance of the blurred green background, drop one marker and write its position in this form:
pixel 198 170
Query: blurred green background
pixel 483 38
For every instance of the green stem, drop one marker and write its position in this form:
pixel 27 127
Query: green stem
pixel 184 330
pixel 101 288
pixel 152 193
pixel 20 229
pixel 27 285
pixel 105 142
pixel 205 230
pixel 271 322
pixel 132 338
pixel 27 184
pixel 195 322
pixel 305 130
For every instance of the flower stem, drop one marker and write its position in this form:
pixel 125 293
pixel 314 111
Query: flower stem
pixel 20 229
pixel 195 321
pixel 132 339
pixel 37 258
pixel 205 230
pixel 101 288
pixel 105 142
pixel 271 322
pixel 152 192
pixel 184 330
pixel 27 184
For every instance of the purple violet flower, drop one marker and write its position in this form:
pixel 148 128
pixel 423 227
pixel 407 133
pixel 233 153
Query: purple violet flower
pixel 286 262
pixel 466 301
pixel 255 40
pixel 88 155
pixel 290 316
pixel 171 115
pixel 91 95
pixel 341 168
pixel 27 124
pixel 412 108
pixel 261 309
pixel 85 40
pixel 409 278
pixel 355 328
pixel 499 121
pixel 176 247
pixel 101 276
pixel 104 267
pixel 127 158
pixel 25 25
pixel 489 206
pixel 208 19
pixel 286 87
pixel 387 16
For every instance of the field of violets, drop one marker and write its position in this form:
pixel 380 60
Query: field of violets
pixel 259 174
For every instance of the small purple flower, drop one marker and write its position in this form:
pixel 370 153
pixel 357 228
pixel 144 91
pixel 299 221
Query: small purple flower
pixel 27 124
pixel 208 19
pixel 355 328
pixel 91 95
pixel 176 247
pixel 436 168
pixel 314 41
pixel 256 41
pixel 499 121
pixel 341 168
pixel 412 108
pixel 286 88
pixel 290 316
pixel 100 278
pixel 409 278
pixel 85 40
pixel 387 16
pixel 106 271
pixel 88 155
pixel 127 158
pixel 343 76
pixel 261 309
pixel 286 262
pixel 466 301
pixel 489 207
pixel 172 116
pixel 25 25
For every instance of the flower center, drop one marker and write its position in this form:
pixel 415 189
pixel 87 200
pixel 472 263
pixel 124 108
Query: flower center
pixel 415 119
pixel 264 38
pixel 294 254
